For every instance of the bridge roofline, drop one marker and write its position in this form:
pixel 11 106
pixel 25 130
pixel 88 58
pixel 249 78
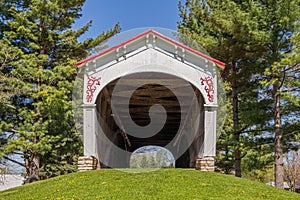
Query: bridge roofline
pixel 155 33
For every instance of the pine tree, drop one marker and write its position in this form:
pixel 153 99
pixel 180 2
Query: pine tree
pixel 230 31
pixel 254 39
pixel 282 75
pixel 40 126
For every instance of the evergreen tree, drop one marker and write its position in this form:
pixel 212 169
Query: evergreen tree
pixel 230 31
pixel 40 124
pixel 254 39
pixel 282 75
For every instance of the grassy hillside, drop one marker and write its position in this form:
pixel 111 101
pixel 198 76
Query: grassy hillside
pixel 162 184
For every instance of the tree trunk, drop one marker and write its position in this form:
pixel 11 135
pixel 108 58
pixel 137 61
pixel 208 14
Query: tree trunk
pixel 236 133
pixel 278 154
pixel 32 164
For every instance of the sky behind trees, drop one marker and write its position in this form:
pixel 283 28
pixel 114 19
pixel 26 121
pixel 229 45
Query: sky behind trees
pixel 130 14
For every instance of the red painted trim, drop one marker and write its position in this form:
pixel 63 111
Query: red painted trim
pixel 208 85
pixel 219 63
pixel 93 82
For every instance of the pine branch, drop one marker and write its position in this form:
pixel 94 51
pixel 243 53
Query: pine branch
pixel 296 89
pixel 14 161
pixel 289 134
pixel 255 130
pixel 292 67
pixel 18 153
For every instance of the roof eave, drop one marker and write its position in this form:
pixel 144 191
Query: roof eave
pixel 150 31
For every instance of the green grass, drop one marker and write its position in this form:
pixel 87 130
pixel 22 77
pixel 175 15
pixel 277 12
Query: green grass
pixel 162 184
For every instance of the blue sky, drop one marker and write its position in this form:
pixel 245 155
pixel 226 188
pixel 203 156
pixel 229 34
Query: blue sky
pixel 129 13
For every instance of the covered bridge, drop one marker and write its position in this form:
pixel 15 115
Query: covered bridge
pixel 149 90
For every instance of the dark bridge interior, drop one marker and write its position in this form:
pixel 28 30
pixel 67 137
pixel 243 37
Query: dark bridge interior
pixel 154 88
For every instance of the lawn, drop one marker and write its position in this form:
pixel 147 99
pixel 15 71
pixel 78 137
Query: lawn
pixel 162 184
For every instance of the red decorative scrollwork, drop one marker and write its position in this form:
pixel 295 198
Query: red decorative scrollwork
pixel 208 84
pixel 93 82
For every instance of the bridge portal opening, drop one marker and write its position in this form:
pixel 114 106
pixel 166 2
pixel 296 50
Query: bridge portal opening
pixel 150 89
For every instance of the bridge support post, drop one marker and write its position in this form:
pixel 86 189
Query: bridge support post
pixel 206 160
pixel 90 159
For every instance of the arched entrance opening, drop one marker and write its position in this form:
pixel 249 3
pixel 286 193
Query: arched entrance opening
pixel 154 89
pixel 152 157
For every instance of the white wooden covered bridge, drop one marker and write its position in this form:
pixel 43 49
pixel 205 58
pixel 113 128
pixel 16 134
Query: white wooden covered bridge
pixel 150 90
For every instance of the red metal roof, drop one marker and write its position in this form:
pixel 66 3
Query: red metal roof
pixel 217 62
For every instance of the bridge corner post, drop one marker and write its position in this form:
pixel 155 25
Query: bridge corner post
pixel 206 160
pixel 89 161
